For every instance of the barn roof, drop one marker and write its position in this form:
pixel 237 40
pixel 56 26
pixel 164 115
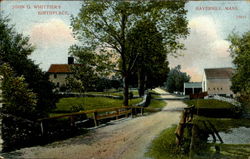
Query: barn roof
pixel 219 73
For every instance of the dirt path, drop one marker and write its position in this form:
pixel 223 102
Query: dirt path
pixel 124 139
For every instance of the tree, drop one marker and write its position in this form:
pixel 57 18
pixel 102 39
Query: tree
pixel 146 43
pixel 89 67
pixel 18 99
pixel 14 50
pixel 104 25
pixel 176 79
pixel 18 111
pixel 240 52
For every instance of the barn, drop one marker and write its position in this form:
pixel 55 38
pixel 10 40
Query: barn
pixel 217 81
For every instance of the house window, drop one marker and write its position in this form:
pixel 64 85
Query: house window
pixel 57 84
pixel 208 88
pixel 214 88
pixel 220 88
pixel 55 75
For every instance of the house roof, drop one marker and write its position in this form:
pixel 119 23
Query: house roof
pixel 219 73
pixel 59 68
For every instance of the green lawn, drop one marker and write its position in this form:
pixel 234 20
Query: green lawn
pixel 89 103
pixel 209 103
pixel 164 146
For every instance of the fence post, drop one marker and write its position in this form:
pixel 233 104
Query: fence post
pixel 141 111
pixel 42 129
pixel 72 121
pixel 117 114
pixel 95 119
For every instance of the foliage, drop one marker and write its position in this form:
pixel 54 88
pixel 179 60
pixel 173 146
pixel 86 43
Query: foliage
pixel 90 69
pixel 176 79
pixel 103 26
pixel 145 43
pixel 17 98
pixel 105 83
pixel 18 111
pixel 14 50
pixel 74 85
pixel 164 146
pixel 240 52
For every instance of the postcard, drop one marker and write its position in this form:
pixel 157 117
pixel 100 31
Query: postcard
pixel 125 79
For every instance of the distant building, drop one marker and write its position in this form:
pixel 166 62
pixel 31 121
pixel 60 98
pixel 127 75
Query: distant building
pixel 217 81
pixel 59 72
pixel 192 88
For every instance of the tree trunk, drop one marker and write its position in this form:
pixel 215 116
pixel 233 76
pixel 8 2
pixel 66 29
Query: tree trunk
pixel 141 82
pixel 125 90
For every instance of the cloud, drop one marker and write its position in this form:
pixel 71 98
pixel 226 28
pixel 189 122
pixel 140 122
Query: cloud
pixel 51 33
pixel 52 40
pixel 205 48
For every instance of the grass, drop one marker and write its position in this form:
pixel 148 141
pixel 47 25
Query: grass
pixel 209 103
pixel 232 151
pixel 157 104
pixel 89 103
pixel 164 146
pixel 222 124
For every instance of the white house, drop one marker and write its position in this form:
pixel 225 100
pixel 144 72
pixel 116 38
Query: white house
pixel 59 72
pixel 217 81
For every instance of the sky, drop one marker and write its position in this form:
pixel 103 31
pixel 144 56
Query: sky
pixel 209 22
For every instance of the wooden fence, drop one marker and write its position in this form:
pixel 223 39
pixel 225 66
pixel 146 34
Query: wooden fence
pixel 99 114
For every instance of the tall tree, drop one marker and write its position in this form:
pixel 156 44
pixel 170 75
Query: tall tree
pixel 14 50
pixel 146 43
pixel 18 99
pixel 240 52
pixel 176 79
pixel 106 24
pixel 18 111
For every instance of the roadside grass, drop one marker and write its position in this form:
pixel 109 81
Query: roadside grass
pixel 157 103
pixel 209 103
pixel 164 146
pixel 232 151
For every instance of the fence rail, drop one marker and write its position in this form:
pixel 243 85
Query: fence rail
pixel 99 114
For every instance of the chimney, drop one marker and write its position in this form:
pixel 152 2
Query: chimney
pixel 70 60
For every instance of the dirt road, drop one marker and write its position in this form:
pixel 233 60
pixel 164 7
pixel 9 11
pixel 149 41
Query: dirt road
pixel 124 139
